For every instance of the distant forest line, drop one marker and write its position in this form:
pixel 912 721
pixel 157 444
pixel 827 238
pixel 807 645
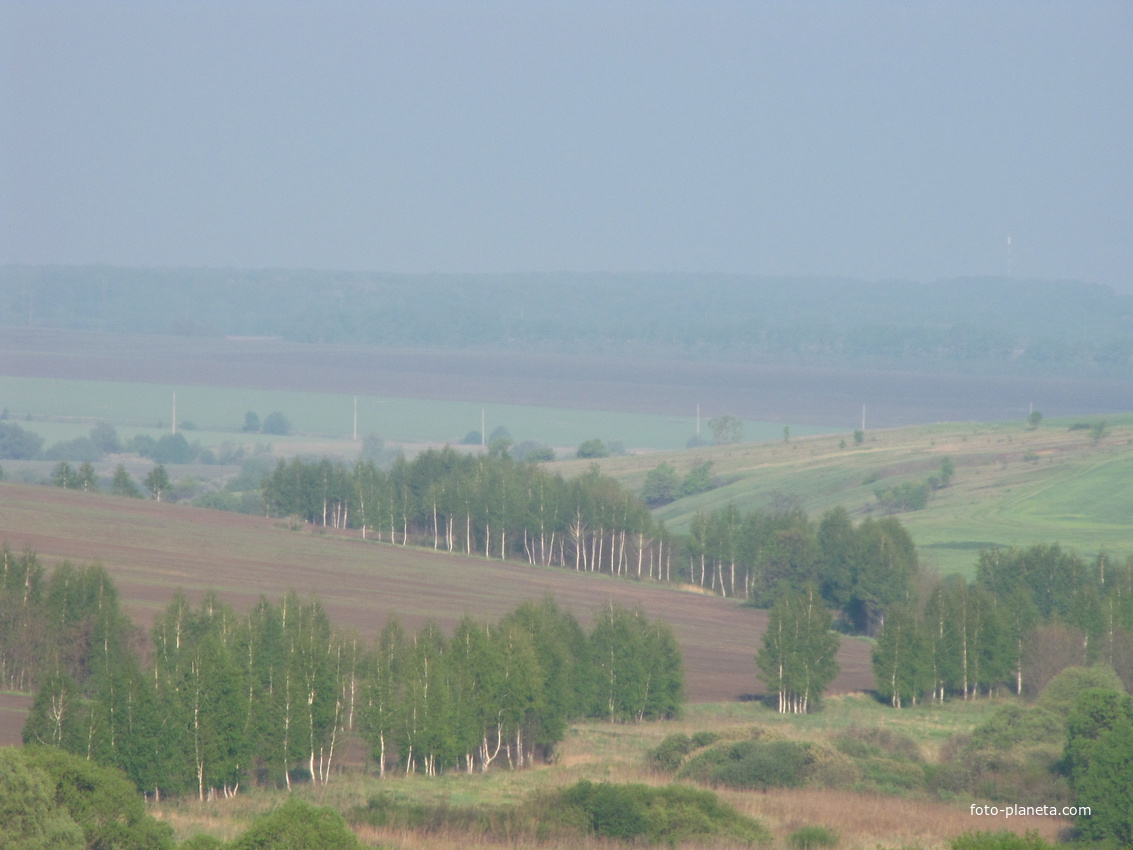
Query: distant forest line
pixel 970 325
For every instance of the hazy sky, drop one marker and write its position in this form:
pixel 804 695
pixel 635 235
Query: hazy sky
pixel 864 139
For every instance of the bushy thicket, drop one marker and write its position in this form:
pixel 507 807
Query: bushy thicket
pixel 636 814
pixel 752 764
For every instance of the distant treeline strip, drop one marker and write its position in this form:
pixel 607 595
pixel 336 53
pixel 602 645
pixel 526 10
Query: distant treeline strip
pixel 216 699
pixel 999 324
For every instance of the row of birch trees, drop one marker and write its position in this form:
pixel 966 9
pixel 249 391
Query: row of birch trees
pixel 1029 613
pixel 488 505
pixel 858 570
pixel 213 699
pixel 492 506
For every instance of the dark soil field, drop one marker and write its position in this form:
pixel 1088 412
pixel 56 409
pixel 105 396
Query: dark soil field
pixel 807 396
pixel 153 549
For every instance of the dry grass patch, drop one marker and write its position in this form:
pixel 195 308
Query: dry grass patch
pixel 870 821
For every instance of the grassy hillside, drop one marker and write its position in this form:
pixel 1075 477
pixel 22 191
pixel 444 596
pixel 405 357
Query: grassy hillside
pixel 1012 485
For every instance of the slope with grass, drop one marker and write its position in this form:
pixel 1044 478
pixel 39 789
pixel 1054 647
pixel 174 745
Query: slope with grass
pixel 1013 485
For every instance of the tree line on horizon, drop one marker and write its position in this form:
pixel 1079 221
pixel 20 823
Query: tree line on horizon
pixel 997 325
pixel 212 699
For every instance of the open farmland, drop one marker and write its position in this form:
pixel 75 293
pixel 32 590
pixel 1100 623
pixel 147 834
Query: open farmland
pixel 782 394
pixel 152 549
pixel 1012 485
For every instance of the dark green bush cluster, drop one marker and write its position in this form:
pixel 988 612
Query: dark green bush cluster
pixel 642 813
pixel 635 813
pixel 669 754
pixel 752 764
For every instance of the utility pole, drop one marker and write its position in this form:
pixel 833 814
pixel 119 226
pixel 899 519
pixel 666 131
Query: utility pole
pixel 863 418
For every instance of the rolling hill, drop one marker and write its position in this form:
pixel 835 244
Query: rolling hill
pixel 1013 485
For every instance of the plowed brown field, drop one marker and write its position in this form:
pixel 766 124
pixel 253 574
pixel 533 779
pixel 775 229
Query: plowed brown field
pixel 153 549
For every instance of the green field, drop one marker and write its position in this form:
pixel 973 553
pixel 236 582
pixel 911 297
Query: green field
pixel 1012 486
pixel 62 409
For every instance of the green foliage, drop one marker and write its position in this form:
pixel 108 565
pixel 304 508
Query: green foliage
pixel 697 480
pixel 171 448
pixel 635 665
pixel 201 841
pixel 593 448
pixel 530 451
pixel 670 814
pixel 30 816
pixel 1000 841
pixel 1034 419
pixel 901 664
pixel 907 496
pixel 752 764
pixel 78 449
pixel 812 837
pixel 637 814
pixel 105 439
pixel 123 485
pixel 797 660
pixel 660 485
pixel 102 801
pixel 1099 758
pixel 669 754
pixel 859 436
pixel 157 482
pixel 251 423
pixel 276 423
pixel 18 444
pixel 297 825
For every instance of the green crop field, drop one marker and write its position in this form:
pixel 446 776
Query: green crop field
pixel 1012 486
pixel 62 409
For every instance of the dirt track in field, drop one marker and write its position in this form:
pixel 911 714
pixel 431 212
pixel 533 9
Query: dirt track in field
pixel 814 396
pixel 153 549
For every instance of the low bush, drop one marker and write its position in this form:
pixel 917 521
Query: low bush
pixel 752 765
pixel 671 814
pixel 634 813
pixel 669 754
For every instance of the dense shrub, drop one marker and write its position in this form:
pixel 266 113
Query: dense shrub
pixel 1061 695
pixel 78 449
pixel 671 814
pixel 276 423
pixel 18 444
pixel 634 813
pixel 752 764
pixel 669 754
pixel 297 825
